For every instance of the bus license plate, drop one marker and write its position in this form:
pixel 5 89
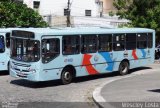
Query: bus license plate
pixel 20 74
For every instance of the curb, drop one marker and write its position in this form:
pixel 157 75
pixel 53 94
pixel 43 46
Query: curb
pixel 99 100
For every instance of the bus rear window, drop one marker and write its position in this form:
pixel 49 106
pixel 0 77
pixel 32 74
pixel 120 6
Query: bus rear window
pixel 50 49
pixel 2 46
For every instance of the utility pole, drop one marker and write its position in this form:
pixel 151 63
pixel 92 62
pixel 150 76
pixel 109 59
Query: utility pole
pixel 101 8
pixel 68 14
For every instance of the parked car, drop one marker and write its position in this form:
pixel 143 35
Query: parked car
pixel 157 52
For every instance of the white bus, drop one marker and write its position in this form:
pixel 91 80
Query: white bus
pixel 4 48
pixel 49 54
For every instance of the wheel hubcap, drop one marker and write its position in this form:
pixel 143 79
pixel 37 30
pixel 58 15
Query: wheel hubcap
pixel 67 75
pixel 124 68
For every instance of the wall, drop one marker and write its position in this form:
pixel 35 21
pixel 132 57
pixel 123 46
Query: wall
pixel 56 7
pixel 108 6
pixel 53 12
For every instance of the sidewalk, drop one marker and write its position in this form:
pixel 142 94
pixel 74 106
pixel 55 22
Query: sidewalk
pixel 157 61
pixel 138 87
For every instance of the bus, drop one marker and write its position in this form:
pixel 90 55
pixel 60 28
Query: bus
pixel 4 48
pixel 66 53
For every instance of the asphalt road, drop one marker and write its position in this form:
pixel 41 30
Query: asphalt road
pixel 51 93
pixel 141 88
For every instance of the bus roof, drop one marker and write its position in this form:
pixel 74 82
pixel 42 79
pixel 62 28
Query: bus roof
pixel 4 30
pixel 85 30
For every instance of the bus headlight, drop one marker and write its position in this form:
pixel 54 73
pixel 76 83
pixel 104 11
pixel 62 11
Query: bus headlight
pixel 33 71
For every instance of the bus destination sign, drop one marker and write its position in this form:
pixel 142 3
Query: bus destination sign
pixel 22 34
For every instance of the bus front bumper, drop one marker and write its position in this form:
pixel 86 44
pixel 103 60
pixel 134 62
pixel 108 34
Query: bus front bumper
pixel 23 75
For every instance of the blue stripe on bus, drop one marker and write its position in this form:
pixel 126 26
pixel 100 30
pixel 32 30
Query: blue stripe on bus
pixel 143 53
pixel 107 57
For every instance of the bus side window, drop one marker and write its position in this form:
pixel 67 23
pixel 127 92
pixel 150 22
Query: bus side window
pixel 130 41
pixel 2 46
pixel 142 40
pixel 89 44
pixel 150 40
pixel 105 43
pixel 50 49
pixel 8 40
pixel 119 42
pixel 71 45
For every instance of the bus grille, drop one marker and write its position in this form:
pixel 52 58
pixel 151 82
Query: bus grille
pixel 22 76
pixel 17 69
pixel 19 64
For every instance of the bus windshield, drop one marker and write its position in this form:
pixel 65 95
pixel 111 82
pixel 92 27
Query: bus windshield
pixel 25 50
pixel 2 46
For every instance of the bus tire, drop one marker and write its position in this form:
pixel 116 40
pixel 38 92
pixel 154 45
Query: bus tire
pixel 66 76
pixel 123 68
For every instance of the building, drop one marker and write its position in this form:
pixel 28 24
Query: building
pixel 82 12
pixel 108 6
pixel 59 7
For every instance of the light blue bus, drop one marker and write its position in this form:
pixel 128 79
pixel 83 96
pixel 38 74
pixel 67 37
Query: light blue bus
pixel 66 53
pixel 4 48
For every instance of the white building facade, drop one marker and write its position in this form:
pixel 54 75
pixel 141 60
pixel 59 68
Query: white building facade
pixel 82 12
pixel 57 7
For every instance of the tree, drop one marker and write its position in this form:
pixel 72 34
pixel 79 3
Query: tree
pixel 141 13
pixel 14 14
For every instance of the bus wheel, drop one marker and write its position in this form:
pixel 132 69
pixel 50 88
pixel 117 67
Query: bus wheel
pixel 66 76
pixel 123 68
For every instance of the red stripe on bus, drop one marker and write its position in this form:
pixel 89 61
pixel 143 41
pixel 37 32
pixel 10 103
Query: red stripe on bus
pixel 86 62
pixel 134 55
